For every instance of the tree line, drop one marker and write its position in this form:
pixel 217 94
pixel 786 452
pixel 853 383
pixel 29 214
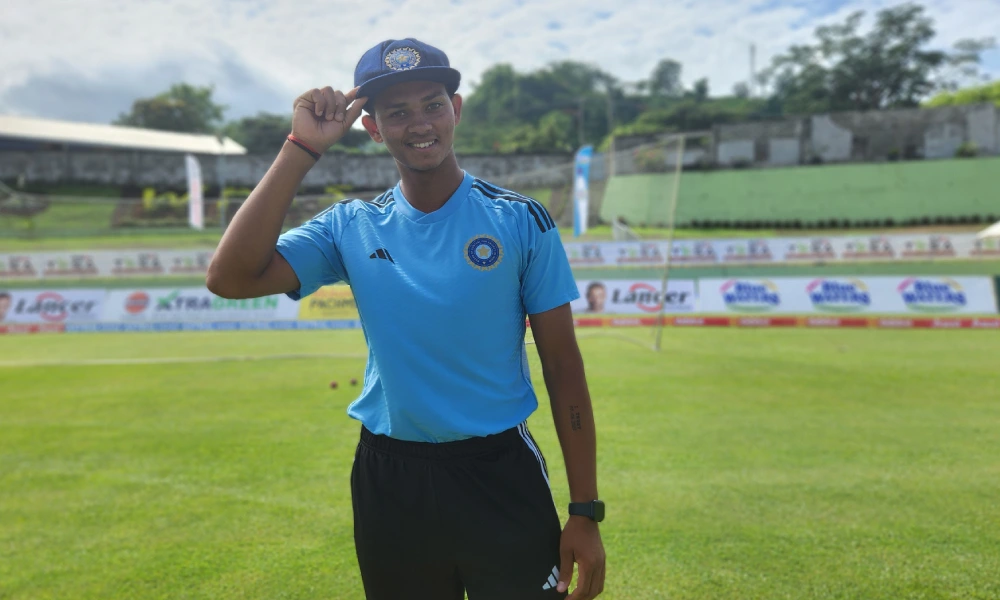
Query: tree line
pixel 567 104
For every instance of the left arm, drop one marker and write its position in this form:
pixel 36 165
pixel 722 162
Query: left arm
pixel 562 368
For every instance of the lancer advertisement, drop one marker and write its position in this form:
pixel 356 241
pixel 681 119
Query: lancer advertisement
pixel 50 306
pixel 631 297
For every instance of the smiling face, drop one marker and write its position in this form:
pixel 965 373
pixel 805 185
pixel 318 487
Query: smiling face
pixel 416 122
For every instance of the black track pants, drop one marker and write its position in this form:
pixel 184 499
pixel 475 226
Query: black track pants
pixel 434 520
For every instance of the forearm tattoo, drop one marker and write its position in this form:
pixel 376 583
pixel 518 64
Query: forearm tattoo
pixel 574 418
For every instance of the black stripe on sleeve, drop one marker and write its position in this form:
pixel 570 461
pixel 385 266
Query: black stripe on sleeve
pixel 545 213
pixel 541 223
pixel 512 194
pixel 384 199
pixel 541 216
pixel 381 253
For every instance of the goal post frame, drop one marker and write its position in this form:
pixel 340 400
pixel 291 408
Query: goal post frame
pixel 671 226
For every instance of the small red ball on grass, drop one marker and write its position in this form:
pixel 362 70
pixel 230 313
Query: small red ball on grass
pixel 354 381
pixel 333 385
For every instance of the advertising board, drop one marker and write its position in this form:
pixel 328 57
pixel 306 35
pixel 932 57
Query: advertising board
pixel 893 302
pixel 50 306
pixel 103 263
pixel 19 266
pixel 182 305
pixel 796 250
pixel 149 263
pixel 330 302
pixel 633 297
pixel 988 248
pixel 898 295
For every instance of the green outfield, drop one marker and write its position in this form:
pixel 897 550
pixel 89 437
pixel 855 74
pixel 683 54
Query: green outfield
pixel 736 464
pixel 901 191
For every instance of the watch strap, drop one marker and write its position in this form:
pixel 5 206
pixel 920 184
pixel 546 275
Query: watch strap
pixel 593 510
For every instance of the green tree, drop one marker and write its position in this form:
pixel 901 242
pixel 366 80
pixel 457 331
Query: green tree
pixel 983 94
pixel 554 133
pixel 692 115
pixel 265 133
pixel 700 91
pixel 666 79
pixel 261 134
pixel 183 108
pixel 962 68
pixel 498 113
pixel 495 99
pixel 890 66
pixel 354 138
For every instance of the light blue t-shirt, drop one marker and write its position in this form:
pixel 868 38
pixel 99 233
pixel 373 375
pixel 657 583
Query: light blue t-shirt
pixel 442 298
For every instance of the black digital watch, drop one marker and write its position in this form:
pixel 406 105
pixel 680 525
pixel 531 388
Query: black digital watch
pixel 593 510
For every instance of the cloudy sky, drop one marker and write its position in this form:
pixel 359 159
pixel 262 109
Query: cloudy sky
pixel 86 60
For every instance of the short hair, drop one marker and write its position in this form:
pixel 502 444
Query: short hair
pixel 4 295
pixel 593 286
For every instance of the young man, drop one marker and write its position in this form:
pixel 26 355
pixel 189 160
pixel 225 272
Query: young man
pixel 450 491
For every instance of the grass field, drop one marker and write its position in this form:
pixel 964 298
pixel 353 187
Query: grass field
pixel 736 464
pixel 125 238
pixel 902 190
pixel 94 218
pixel 185 238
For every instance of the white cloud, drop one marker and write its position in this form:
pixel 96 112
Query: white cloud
pixel 261 54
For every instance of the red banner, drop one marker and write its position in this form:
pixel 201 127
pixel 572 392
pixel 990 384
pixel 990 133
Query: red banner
pixel 692 321
pixel 32 328
pixel 785 321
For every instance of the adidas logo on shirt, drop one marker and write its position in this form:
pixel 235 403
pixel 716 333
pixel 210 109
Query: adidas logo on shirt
pixel 383 254
pixel 553 579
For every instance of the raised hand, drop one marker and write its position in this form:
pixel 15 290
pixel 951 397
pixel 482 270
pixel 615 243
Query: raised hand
pixel 320 117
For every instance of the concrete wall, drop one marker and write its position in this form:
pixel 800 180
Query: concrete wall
pixel 828 141
pixel 167 170
pixel 767 142
pixel 861 136
pixel 876 136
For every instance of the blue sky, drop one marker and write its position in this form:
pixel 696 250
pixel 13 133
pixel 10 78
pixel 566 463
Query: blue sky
pixel 88 60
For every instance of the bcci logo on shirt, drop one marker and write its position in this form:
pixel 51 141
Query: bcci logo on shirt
pixel 484 252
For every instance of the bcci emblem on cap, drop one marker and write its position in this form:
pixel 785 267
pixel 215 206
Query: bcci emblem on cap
pixel 402 59
pixel 484 252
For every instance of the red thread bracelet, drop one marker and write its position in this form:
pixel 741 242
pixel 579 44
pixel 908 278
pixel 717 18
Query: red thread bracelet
pixel 304 146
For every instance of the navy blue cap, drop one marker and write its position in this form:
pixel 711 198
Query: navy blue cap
pixel 399 61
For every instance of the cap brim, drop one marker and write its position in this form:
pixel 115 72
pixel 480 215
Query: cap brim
pixel 446 75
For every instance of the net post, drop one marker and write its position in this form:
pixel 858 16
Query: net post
pixel 678 169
